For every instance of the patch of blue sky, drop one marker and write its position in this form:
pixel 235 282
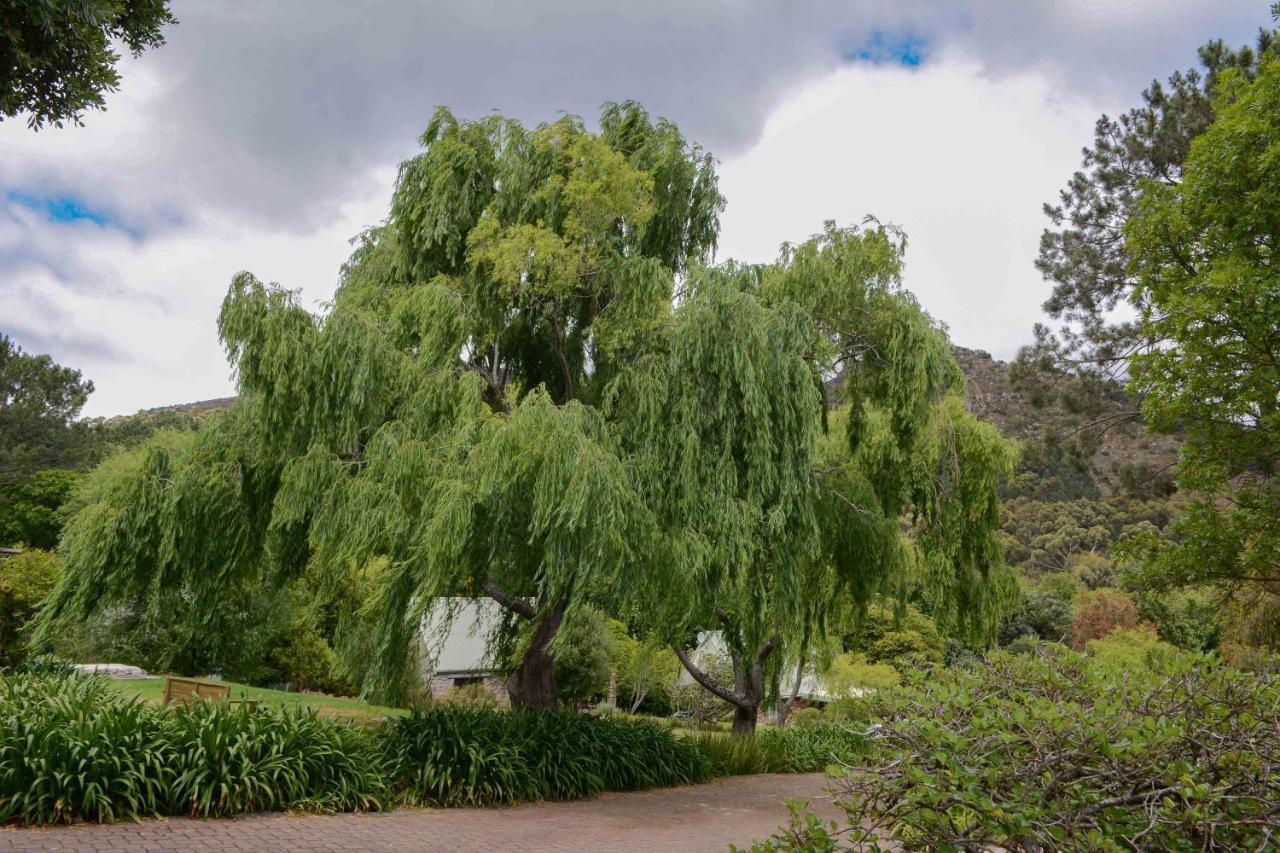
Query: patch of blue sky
pixel 63 208
pixel 887 48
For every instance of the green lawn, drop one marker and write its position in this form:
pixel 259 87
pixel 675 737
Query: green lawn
pixel 152 690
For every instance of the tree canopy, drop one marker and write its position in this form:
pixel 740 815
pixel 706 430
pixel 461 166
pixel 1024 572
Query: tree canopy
pixel 1084 253
pixel 1204 256
pixel 531 385
pixel 57 56
pixel 40 401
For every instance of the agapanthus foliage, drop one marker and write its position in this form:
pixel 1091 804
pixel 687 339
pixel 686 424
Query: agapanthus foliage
pixel 531 385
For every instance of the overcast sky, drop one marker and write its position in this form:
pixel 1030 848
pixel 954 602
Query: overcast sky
pixel 264 135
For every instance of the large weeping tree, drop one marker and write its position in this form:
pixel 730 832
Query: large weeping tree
pixel 438 425
pixel 529 386
pixel 785 426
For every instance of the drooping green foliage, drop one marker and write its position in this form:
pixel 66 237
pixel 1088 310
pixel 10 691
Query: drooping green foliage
pixel 57 57
pixel 776 497
pixel 531 386
pixel 722 423
pixel 440 415
pixel 44 442
pixel 187 511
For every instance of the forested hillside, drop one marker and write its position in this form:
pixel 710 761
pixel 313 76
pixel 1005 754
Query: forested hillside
pixel 1079 440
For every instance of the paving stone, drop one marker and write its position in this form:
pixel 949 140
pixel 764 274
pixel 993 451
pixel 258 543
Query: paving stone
pixel 700 817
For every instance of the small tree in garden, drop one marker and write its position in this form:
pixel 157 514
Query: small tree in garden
pixel 769 495
pixel 1099 612
pixel 583 657
pixel 641 667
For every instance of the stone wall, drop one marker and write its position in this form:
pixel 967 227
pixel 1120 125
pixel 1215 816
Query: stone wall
pixel 443 683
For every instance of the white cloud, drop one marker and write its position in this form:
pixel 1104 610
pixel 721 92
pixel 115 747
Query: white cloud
pixel 265 135
pixel 960 160
pixel 158 344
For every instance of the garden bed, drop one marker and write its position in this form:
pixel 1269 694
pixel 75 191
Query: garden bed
pixel 76 748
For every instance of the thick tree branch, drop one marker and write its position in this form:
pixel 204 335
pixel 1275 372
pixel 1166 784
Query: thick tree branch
pixel 757 666
pixel 705 680
pixel 518 606
pixel 558 336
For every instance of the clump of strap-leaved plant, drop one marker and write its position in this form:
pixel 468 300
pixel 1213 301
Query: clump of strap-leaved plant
pixel 1053 750
pixel 74 749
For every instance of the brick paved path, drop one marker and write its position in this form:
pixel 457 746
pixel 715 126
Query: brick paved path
pixel 701 817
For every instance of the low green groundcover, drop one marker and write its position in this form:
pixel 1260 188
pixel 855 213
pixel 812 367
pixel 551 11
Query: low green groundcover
pixel 73 749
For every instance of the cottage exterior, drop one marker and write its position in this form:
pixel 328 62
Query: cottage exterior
pixel 459 657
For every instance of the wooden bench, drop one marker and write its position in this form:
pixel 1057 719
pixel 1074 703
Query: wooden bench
pixel 187 691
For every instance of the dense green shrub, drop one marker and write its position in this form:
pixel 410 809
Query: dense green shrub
pixel 1041 614
pixel 811 748
pixel 1055 751
pixel 262 635
pixel 850 673
pixel 451 756
pixel 887 636
pixel 795 749
pixel 803 717
pixel 1133 648
pixel 1189 619
pixel 29 507
pixel 729 755
pixel 583 655
pixel 475 696
pixel 25 581
pixel 904 646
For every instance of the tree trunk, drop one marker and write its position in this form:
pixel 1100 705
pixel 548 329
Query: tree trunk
pixel 744 718
pixel 748 684
pixel 533 684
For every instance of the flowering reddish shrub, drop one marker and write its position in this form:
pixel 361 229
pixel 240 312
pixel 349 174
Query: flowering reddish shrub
pixel 1099 612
